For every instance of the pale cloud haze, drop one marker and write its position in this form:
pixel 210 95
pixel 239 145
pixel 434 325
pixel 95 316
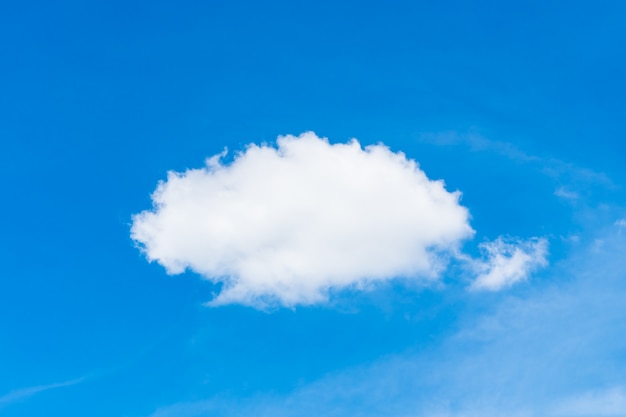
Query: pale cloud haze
pixel 600 403
pixel 531 355
pixel 24 393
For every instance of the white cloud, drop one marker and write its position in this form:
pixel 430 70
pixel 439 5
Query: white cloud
pixel 508 262
pixel 285 224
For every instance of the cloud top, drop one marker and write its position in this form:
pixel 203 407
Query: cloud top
pixel 286 223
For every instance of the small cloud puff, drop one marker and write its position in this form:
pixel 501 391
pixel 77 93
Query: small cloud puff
pixel 283 225
pixel 508 262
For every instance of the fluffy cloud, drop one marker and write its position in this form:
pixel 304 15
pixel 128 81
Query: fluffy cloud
pixel 508 262
pixel 285 224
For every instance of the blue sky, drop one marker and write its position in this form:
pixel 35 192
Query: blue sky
pixel 518 106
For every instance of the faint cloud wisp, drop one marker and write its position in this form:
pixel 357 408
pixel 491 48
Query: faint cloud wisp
pixel 24 393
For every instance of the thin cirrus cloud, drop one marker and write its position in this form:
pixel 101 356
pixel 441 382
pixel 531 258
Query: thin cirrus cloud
pixel 284 225
pixel 554 351
pixel 608 402
pixel 24 393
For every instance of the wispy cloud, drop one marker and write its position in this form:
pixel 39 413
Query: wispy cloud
pixel 564 173
pixel 549 353
pixel 565 193
pixel 477 142
pixel 25 393
pixel 598 403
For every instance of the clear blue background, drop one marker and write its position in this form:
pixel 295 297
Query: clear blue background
pixel 98 100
